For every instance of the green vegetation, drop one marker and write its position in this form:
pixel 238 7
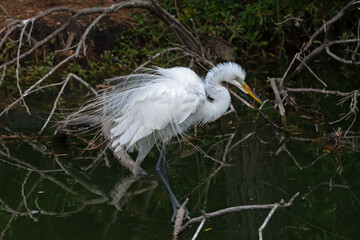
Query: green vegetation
pixel 248 27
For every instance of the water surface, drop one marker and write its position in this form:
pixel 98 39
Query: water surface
pixel 54 191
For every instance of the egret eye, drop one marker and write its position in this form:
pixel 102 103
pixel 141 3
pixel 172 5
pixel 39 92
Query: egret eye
pixel 238 79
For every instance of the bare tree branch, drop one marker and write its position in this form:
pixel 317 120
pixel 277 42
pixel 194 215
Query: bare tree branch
pixel 29 90
pixel 324 28
pixel 327 24
pixel 224 211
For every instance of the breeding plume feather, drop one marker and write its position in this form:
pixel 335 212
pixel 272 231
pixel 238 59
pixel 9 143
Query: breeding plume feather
pixel 143 109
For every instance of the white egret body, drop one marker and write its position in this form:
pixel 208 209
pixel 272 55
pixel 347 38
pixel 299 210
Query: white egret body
pixel 155 106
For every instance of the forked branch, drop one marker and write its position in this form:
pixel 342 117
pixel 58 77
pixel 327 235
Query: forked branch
pixel 273 207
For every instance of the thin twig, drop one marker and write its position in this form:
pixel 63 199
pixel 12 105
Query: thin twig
pixel 227 147
pixel 323 91
pixel 198 229
pixel 313 73
pixel 24 197
pixel 55 103
pixel 267 219
pixel 26 22
pixel 3 75
pixel 157 55
pixel 241 99
pixel 278 100
pixel 283 148
pixel 86 33
pixel 241 140
pixel 281 82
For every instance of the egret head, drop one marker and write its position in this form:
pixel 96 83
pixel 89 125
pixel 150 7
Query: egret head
pixel 234 74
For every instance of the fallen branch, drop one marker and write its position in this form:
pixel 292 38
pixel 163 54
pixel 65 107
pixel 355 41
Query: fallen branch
pixel 124 159
pixel 221 212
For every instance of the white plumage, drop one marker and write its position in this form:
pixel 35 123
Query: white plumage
pixel 156 105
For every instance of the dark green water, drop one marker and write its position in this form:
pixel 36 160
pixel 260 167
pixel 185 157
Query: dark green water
pixel 72 194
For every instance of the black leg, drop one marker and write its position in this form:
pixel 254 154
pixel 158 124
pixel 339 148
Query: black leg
pixel 161 170
pixel 163 166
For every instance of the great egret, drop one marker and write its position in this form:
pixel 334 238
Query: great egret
pixel 156 105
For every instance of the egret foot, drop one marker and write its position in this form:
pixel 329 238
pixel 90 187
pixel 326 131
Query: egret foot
pixel 173 218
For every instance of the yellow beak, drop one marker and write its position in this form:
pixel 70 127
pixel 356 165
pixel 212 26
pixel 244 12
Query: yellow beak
pixel 250 92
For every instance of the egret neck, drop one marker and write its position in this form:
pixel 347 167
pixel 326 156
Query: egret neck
pixel 217 102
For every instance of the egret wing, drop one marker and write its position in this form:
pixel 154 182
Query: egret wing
pixel 159 108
